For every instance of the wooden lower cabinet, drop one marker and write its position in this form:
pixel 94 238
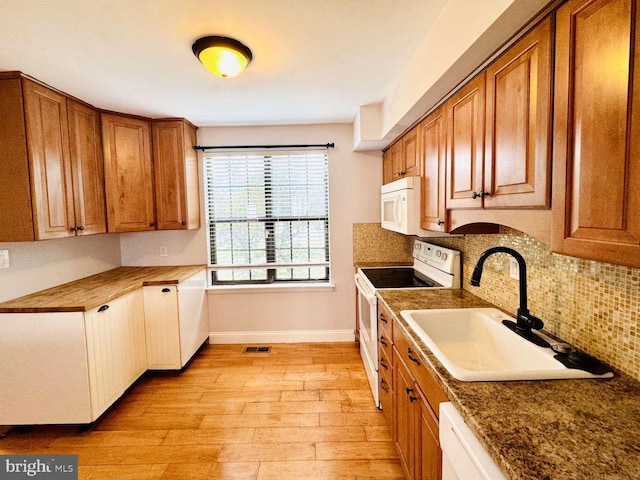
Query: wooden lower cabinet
pixel 416 398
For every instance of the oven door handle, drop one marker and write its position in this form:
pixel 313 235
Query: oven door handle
pixel 364 291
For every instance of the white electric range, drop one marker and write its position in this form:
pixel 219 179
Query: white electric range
pixel 433 267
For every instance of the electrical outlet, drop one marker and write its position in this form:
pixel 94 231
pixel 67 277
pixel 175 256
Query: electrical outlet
pixel 4 259
pixel 163 251
pixel 514 269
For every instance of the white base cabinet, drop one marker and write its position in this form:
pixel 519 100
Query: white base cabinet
pixel 176 322
pixel 116 349
pixel 70 367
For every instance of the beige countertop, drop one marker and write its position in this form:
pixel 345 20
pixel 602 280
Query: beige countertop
pixel 91 292
pixel 538 430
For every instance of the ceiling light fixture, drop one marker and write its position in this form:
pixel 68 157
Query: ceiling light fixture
pixel 222 56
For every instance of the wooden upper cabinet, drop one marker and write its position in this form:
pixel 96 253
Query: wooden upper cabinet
pixel 392 163
pixel 176 175
pixel 410 153
pixel 518 123
pixel 128 171
pixel 87 169
pixel 50 168
pixel 432 152
pixel 596 186
pixel 464 112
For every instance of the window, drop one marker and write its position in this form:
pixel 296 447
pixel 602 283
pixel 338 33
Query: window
pixel 268 217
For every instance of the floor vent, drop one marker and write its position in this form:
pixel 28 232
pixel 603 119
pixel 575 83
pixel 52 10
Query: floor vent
pixel 257 349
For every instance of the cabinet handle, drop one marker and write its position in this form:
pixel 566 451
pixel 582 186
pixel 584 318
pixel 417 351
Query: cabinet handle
pixel 440 222
pixel 412 398
pixel 73 229
pixel 152 224
pixel 480 194
pixel 384 385
pixel 81 227
pixel 103 308
pixel 383 364
pixel 402 173
pixel 166 290
pixel 409 390
pixel 383 342
pixel 383 319
pixel 183 222
pixel 411 357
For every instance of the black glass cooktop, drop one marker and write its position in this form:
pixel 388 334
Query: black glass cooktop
pixel 398 277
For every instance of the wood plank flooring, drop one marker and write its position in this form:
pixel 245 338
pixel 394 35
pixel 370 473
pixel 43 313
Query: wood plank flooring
pixel 302 411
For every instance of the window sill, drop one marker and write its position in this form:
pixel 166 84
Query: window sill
pixel 271 288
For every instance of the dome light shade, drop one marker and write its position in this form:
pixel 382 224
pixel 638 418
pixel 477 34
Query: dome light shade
pixel 222 56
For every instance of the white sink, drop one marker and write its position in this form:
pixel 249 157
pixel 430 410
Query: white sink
pixel 473 345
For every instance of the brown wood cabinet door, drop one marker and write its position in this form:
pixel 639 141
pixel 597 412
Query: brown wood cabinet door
pixel 406 416
pixel 176 175
pixel 518 123
pixel 465 145
pixel 87 167
pixel 429 457
pixel 387 167
pixel 128 173
pixel 596 187
pixel 432 151
pixel 48 143
pixel 16 217
pixel 397 160
pixel 411 153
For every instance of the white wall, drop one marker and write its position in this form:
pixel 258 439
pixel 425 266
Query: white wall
pixel 354 189
pixel 40 265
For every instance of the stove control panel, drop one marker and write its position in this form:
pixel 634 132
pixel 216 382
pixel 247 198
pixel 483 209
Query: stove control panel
pixel 442 258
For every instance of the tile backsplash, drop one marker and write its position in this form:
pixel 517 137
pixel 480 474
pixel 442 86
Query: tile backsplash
pixel 592 305
pixel 372 243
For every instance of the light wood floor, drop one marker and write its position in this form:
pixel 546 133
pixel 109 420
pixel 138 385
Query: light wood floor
pixel 302 411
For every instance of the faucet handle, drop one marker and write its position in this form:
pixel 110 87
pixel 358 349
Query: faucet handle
pixel 527 321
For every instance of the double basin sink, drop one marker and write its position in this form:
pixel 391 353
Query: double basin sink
pixel 473 345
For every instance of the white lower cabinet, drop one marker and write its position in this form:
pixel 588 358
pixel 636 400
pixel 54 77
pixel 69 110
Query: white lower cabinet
pixel 69 367
pixel 116 349
pixel 176 322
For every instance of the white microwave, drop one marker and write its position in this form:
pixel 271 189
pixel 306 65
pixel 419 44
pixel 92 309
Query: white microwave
pixel 400 206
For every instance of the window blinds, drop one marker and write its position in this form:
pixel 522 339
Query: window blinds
pixel 268 216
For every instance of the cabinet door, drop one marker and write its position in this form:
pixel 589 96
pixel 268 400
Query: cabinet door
pixel 406 416
pixel 518 123
pixel 116 349
pixel 465 145
pixel 162 327
pixel 176 175
pixel 433 148
pixel 397 160
pixel 128 174
pixel 411 153
pixel 48 144
pixel 87 167
pixel 387 167
pixel 596 204
pixel 429 456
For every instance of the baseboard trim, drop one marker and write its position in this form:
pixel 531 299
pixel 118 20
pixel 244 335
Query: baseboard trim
pixel 285 336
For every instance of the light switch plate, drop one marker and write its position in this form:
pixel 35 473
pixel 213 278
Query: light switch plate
pixel 164 251
pixel 4 259
pixel 514 269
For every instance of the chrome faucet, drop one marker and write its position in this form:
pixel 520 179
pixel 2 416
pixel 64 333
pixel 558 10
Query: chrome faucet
pixel 525 321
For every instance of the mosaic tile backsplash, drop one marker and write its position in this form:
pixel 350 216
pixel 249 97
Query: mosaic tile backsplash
pixel 372 243
pixel 594 306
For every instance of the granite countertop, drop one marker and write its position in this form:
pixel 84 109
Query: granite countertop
pixel 538 430
pixel 91 292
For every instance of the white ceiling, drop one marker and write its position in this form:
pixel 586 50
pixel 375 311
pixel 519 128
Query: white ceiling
pixel 315 61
